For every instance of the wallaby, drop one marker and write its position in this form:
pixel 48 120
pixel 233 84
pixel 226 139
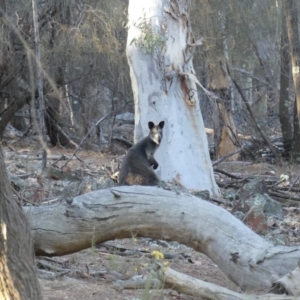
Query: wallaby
pixel 137 165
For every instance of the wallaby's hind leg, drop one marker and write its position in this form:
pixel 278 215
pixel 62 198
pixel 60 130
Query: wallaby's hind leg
pixel 152 179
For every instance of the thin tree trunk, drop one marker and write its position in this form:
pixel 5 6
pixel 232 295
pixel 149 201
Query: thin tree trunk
pixel 40 84
pixel 18 278
pixel 291 11
pixel 160 50
pixel 286 124
pixel 225 134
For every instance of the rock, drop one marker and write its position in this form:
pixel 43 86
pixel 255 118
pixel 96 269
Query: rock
pixel 230 194
pixel 203 194
pixel 256 199
pixel 11 132
pixel 272 222
pixel 17 182
pixel 243 205
pixel 57 174
pixel 273 207
pixel 254 186
pixel 255 218
pixel 277 239
pixel 93 184
pixel 35 194
pixel 104 182
pixel 239 215
pixel 254 194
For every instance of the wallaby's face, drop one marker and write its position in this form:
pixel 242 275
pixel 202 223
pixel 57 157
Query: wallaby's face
pixel 156 131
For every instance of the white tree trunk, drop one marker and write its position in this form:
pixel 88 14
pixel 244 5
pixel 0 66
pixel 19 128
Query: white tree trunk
pixel 163 83
pixel 246 258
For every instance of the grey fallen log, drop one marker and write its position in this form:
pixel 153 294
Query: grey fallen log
pixel 122 212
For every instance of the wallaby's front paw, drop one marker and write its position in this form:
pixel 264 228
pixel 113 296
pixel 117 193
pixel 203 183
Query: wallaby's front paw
pixel 155 166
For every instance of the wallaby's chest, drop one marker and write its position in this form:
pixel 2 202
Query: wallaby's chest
pixel 150 149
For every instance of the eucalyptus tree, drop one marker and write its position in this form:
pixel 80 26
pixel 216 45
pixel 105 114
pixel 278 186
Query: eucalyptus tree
pixel 160 50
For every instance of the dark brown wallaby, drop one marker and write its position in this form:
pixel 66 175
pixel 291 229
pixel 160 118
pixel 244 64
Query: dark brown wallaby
pixel 137 165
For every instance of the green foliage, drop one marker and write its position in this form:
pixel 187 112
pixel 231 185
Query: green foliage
pixel 150 40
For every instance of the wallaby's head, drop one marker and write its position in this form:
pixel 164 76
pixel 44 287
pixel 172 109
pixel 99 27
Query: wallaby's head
pixel 156 131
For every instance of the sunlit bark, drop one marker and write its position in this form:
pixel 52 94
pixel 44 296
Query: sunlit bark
pixel 18 280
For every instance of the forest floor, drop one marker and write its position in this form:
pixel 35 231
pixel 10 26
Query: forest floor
pixel 128 257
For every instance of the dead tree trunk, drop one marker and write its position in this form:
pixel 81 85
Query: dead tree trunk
pixel 247 259
pixel 18 278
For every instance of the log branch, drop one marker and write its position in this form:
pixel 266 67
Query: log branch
pixel 198 288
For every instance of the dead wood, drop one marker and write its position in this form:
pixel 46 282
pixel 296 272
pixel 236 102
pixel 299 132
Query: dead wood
pixel 240 136
pixel 46 275
pixel 228 174
pixel 84 138
pixel 122 251
pixel 280 193
pixel 227 156
pixel 205 290
pixel 255 122
pixel 290 282
pixel 34 157
pixel 248 260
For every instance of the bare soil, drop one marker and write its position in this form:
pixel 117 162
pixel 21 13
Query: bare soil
pixel 195 264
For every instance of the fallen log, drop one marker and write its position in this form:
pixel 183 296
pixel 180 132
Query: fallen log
pixel 121 212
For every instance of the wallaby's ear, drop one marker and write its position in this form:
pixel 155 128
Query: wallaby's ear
pixel 151 125
pixel 161 124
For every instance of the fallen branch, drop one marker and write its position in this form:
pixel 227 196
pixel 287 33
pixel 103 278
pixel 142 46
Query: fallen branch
pixel 198 288
pixel 227 156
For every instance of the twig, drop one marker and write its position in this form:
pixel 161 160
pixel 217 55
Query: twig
pixel 62 157
pixel 226 156
pixel 276 183
pixel 292 184
pixel 227 174
pixel 284 195
pixel 46 265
